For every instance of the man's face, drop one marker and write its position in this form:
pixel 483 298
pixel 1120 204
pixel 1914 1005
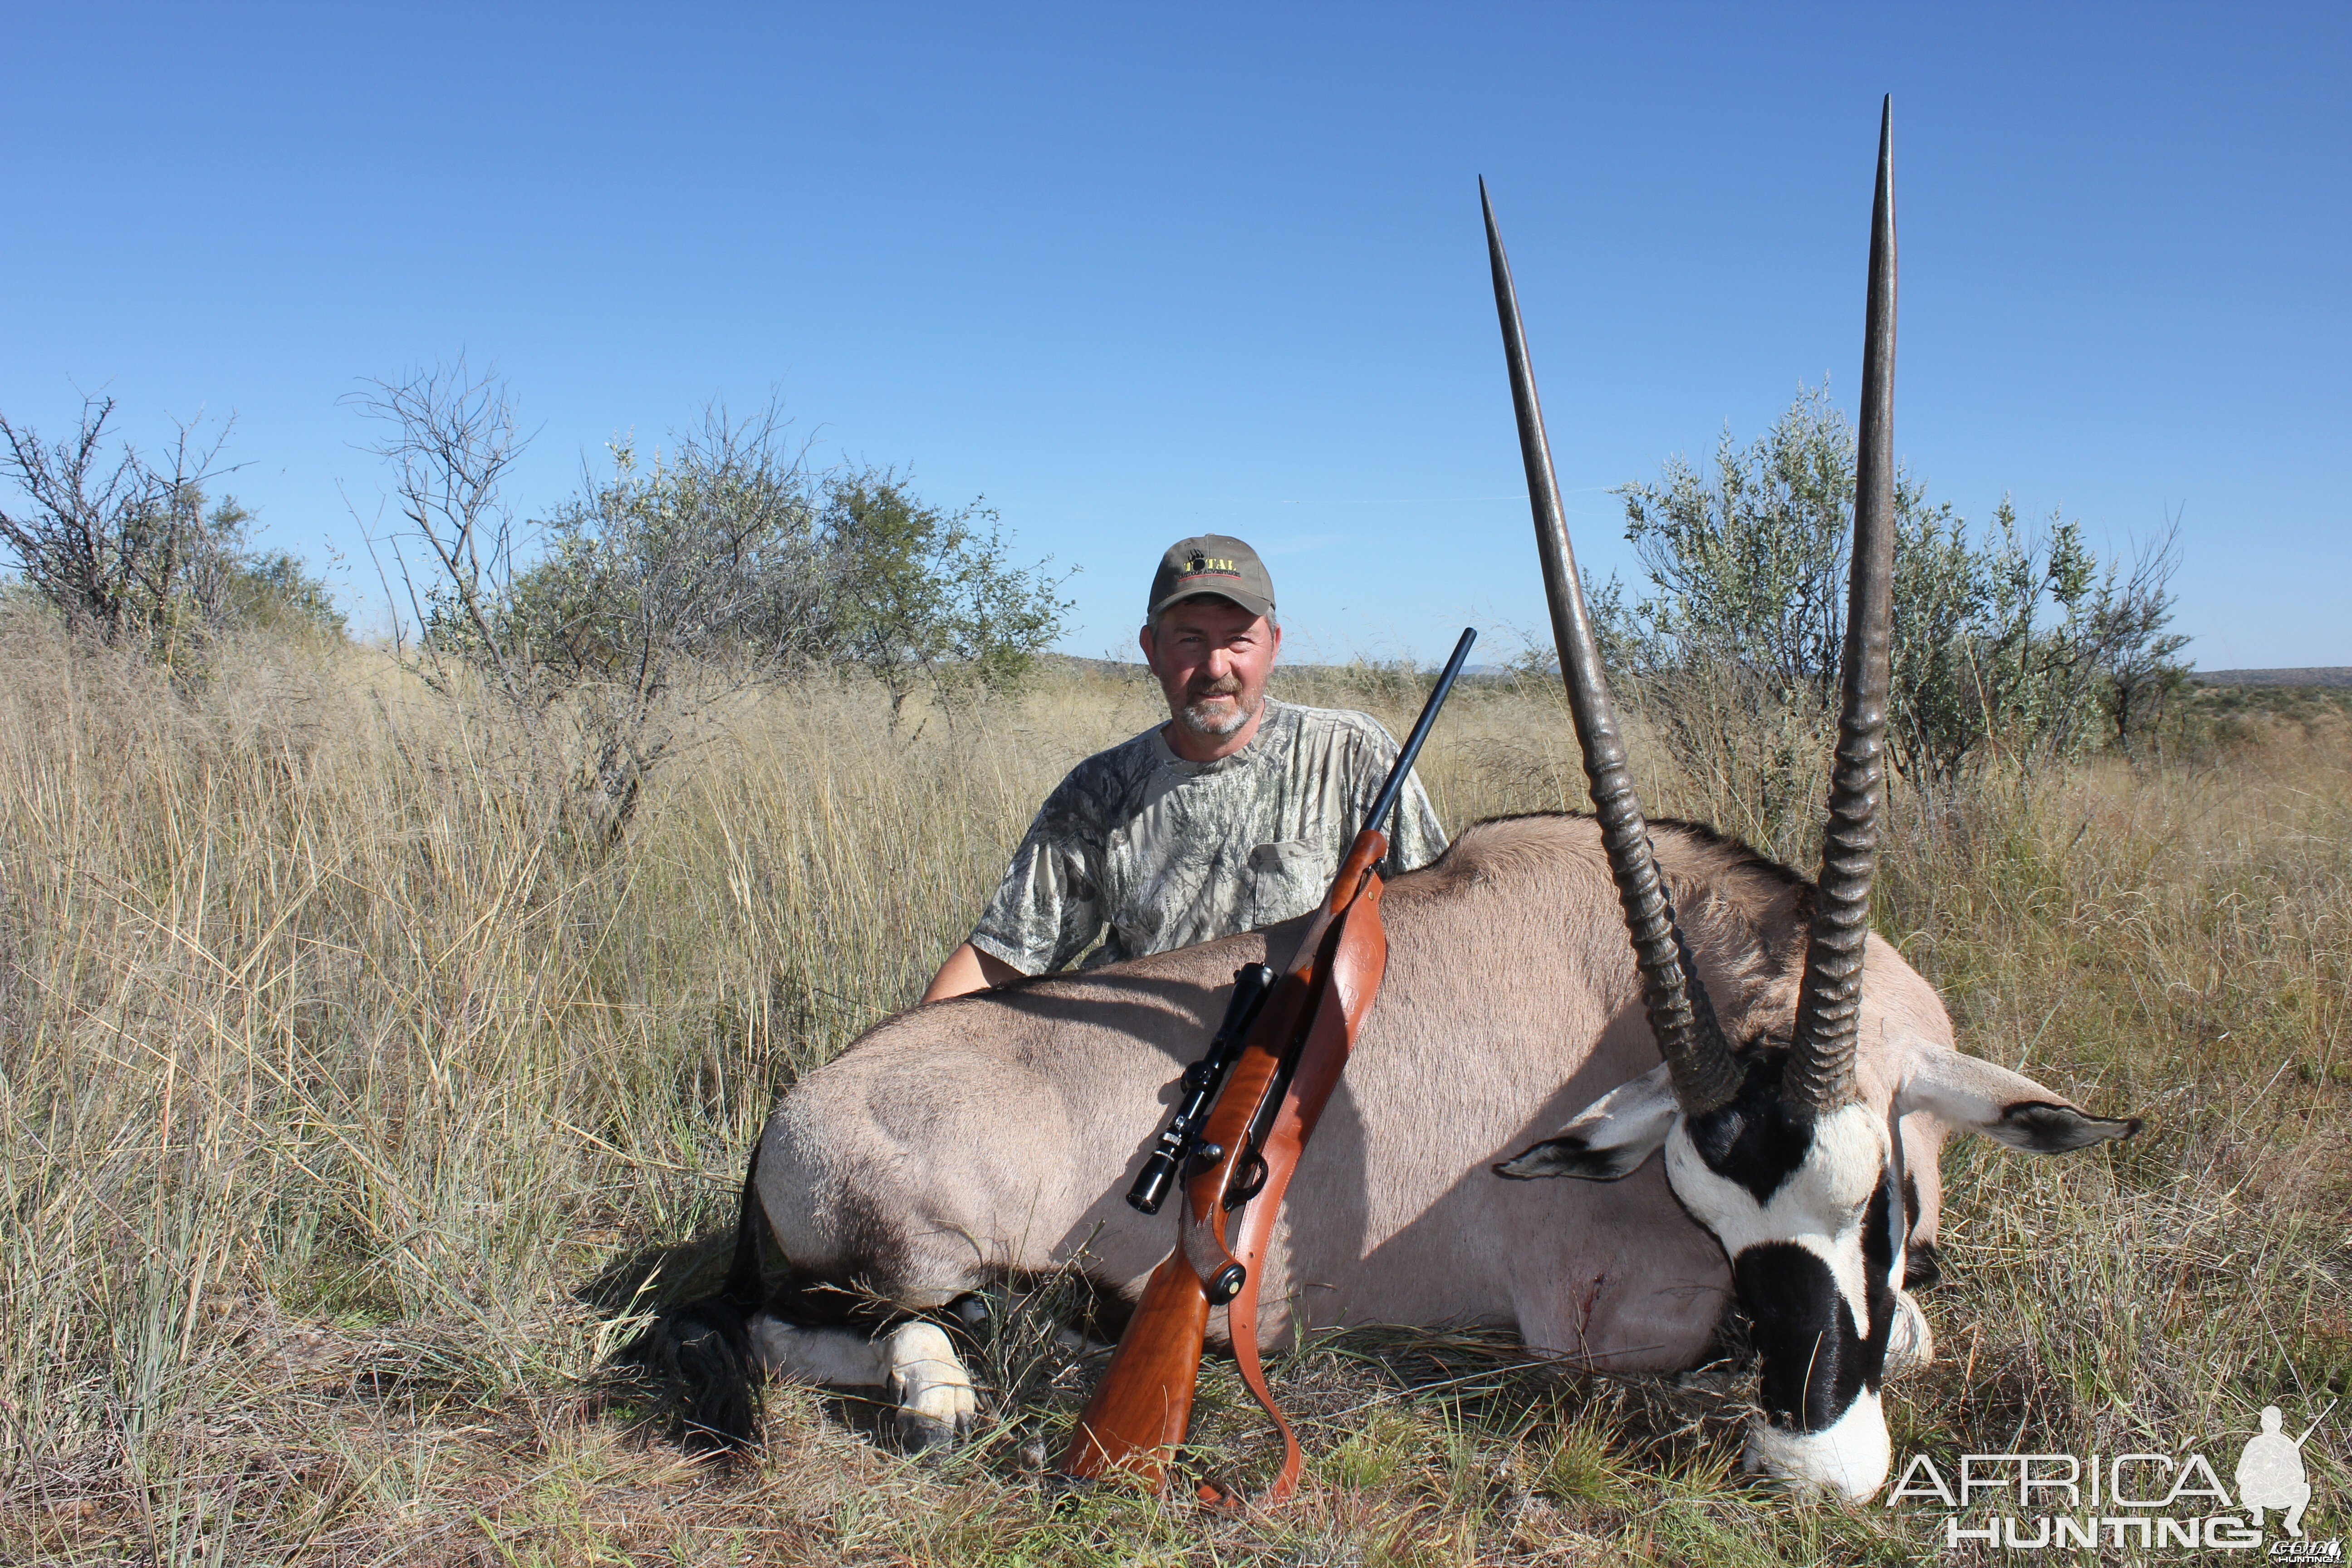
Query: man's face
pixel 1213 658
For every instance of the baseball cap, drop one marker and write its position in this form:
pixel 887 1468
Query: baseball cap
pixel 1211 563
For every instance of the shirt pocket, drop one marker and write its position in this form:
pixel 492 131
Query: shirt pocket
pixel 1287 878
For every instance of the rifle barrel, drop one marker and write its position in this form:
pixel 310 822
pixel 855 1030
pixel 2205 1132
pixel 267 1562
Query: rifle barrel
pixel 1394 787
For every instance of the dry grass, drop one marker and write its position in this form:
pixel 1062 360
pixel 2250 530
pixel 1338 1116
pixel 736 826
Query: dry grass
pixel 346 1108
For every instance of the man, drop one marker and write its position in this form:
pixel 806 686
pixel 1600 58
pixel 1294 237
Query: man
pixel 1233 814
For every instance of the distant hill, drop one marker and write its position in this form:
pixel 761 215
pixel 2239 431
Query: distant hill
pixel 2338 675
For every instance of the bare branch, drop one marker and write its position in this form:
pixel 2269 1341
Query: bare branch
pixel 123 546
pixel 450 436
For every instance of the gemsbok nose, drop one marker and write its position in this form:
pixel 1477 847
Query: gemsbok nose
pixel 1773 1150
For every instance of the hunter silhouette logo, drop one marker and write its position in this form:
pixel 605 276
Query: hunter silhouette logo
pixel 2270 1472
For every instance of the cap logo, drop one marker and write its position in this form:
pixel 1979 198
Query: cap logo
pixel 1203 563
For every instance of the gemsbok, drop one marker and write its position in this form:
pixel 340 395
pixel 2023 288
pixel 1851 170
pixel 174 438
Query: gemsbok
pixel 1798 1076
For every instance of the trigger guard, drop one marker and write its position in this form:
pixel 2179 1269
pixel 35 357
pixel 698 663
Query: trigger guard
pixel 1249 1186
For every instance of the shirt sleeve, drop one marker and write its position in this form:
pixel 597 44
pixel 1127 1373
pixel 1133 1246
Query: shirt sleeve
pixel 1048 907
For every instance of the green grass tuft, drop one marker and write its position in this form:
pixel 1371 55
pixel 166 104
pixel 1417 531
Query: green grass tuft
pixel 352 1117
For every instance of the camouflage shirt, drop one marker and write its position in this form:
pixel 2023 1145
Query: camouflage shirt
pixel 1150 852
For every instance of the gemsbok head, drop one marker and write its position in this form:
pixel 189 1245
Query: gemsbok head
pixel 1780 1146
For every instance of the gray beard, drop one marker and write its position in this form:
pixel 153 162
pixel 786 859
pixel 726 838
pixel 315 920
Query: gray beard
pixel 1202 719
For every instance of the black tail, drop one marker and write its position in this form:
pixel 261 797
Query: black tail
pixel 704 1349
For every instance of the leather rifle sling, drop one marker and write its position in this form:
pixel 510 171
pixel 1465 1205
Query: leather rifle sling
pixel 1359 959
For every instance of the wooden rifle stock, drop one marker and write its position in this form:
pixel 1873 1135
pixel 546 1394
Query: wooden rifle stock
pixel 1144 1402
pixel 1271 1098
pixel 1273 1095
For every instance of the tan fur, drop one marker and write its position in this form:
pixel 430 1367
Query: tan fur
pixel 1002 1131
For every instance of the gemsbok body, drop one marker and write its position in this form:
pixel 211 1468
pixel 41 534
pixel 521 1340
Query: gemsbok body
pixel 1796 1076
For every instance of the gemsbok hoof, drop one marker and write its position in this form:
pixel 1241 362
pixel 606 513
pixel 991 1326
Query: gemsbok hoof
pixel 1768 1146
pixel 926 1382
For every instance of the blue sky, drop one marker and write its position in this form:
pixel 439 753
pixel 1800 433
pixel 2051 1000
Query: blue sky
pixel 1137 272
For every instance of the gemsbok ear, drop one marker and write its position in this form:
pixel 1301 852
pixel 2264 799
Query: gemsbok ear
pixel 1971 1095
pixel 1607 1138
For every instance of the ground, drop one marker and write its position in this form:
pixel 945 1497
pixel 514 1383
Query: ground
pixel 355 1111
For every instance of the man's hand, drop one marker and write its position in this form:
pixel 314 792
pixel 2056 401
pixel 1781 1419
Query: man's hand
pixel 966 971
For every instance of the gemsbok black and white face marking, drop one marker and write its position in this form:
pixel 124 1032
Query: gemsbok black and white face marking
pixel 1808 1209
pixel 1804 1205
pixel 895 1175
pixel 1779 1153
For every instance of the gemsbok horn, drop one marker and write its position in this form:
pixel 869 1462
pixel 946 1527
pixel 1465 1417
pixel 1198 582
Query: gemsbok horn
pixel 1828 1003
pixel 993 1137
pixel 1700 1062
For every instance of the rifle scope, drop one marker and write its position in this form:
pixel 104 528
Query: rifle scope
pixel 1252 984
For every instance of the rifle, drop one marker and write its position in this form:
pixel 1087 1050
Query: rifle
pixel 1249 1106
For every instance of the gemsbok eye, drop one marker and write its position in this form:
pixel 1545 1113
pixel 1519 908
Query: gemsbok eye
pixel 1010 1133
